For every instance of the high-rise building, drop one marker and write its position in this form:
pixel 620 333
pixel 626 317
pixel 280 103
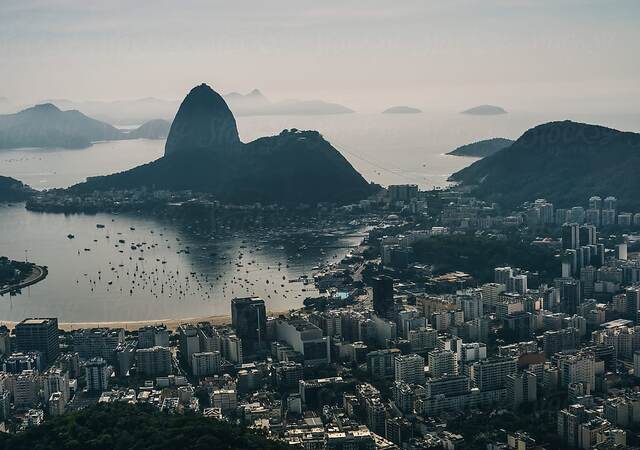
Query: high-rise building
pixel 154 361
pixel 382 295
pixel 519 284
pixel 570 295
pixel 381 363
pixel 205 363
pixel 595 202
pixel 633 301
pixel 560 340
pixel 577 368
pixel 97 375
pixel 56 380
pixel 621 251
pixel 442 362
pixel 576 214
pixel 561 216
pixel 249 319
pixel 57 404
pixel 189 341
pixel 608 217
pixel 470 302
pixel 570 236
pixel 610 203
pixel 409 369
pixel 153 336
pixel 5 341
pixel 502 275
pixel 491 374
pixel 521 388
pixel 588 235
pixel 40 335
pixel 592 217
pixel 97 342
pixel 520 325
pixel 25 392
pixel 305 338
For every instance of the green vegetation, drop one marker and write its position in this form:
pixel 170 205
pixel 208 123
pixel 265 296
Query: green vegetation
pixel 478 256
pixel 564 162
pixel 121 426
pixel 13 272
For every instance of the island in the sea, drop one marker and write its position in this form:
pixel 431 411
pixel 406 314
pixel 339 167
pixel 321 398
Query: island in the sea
pixel 253 103
pixel 483 148
pixel 46 126
pixel 484 110
pixel 563 162
pixel 402 110
pixel 204 153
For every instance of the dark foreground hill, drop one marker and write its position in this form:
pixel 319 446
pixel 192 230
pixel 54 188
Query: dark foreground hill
pixel 204 153
pixel 483 148
pixel 121 426
pixel 12 190
pixel 564 162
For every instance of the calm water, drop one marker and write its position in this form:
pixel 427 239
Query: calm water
pixel 162 270
pixel 111 283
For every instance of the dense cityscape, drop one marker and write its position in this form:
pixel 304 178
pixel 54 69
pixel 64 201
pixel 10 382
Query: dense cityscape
pixel 336 225
pixel 401 350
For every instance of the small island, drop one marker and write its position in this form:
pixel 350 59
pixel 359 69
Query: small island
pixel 15 275
pixel 484 110
pixel 483 148
pixel 402 110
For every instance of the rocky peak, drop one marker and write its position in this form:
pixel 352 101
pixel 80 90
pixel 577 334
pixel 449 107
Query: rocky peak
pixel 203 122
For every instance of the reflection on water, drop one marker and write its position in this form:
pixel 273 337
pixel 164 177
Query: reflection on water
pixel 137 268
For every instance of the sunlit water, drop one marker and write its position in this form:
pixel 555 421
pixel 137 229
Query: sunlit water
pixel 109 283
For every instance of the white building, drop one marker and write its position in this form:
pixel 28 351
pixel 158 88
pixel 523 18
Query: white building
pixel 409 369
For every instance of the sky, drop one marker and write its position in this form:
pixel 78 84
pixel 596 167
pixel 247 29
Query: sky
pixel 543 55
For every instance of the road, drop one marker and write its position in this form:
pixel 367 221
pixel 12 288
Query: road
pixel 38 273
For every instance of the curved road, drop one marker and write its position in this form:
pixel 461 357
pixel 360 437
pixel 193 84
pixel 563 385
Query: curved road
pixel 38 273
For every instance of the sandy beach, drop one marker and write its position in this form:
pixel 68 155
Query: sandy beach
pixel 134 325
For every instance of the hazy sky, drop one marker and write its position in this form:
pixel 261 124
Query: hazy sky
pixel 536 55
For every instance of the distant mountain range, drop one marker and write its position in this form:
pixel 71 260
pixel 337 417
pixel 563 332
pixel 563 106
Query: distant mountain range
pixel 46 126
pixel 204 153
pixel 484 110
pixel 252 104
pixel 12 190
pixel 401 110
pixel 564 162
pixel 480 149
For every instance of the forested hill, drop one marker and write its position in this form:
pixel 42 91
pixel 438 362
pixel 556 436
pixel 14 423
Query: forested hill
pixel 121 426
pixel 563 162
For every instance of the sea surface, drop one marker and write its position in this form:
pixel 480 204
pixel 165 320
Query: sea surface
pixel 169 270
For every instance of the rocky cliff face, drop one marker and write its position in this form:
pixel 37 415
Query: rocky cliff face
pixel 203 123
pixel 204 154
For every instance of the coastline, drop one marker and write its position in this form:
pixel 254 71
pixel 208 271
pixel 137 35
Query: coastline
pixel 42 272
pixel 134 325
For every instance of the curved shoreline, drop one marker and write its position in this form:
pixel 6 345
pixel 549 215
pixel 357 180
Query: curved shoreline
pixel 42 272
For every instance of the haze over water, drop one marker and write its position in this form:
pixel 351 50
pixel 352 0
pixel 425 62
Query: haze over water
pixel 386 149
